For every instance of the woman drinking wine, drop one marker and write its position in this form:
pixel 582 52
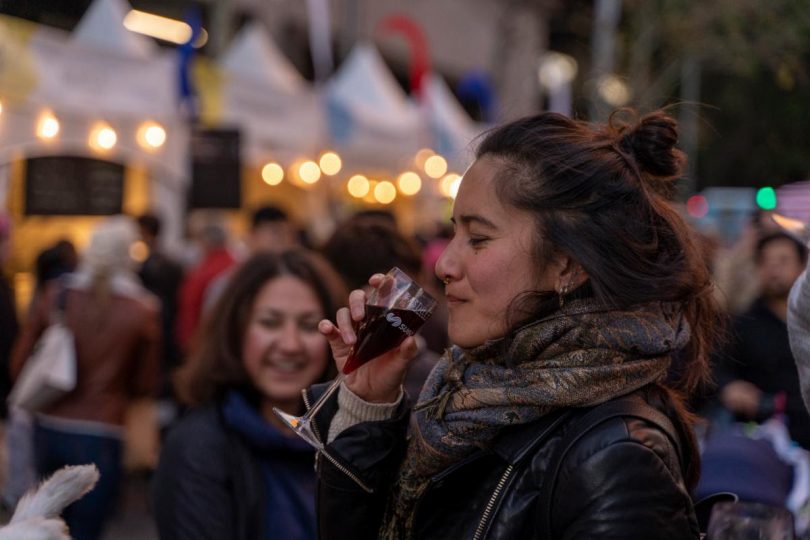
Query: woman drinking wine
pixel 572 286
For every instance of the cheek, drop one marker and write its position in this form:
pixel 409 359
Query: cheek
pixel 255 344
pixel 317 350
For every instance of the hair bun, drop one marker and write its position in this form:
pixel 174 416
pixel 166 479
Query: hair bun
pixel 652 142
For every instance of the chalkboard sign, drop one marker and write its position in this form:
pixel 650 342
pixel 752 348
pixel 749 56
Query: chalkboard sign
pixel 73 186
pixel 215 169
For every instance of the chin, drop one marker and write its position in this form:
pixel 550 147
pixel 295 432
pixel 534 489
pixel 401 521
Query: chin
pixel 464 340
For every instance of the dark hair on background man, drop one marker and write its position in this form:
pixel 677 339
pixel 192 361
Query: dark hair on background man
pixel 801 249
pixel 365 245
pixel 268 214
pixel 215 364
pixel 600 193
pixel 149 223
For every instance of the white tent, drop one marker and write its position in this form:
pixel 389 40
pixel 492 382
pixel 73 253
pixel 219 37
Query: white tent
pixel 372 122
pixel 101 27
pixel 278 112
pixel 452 130
pixel 101 73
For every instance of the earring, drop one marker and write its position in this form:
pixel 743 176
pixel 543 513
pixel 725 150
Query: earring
pixel 446 280
pixel 562 292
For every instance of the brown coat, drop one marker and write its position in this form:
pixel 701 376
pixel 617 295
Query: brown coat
pixel 117 350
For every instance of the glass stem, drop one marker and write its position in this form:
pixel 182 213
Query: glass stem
pixel 310 414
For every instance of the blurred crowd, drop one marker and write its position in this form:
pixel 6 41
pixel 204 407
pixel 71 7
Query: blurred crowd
pixel 181 359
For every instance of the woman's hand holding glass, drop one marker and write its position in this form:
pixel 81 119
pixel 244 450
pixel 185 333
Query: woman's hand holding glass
pixel 372 342
pixel 376 381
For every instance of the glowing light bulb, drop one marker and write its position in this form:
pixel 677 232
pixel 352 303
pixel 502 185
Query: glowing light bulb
pixel 409 183
pixel 106 138
pixel 358 186
pixel 330 163
pixel 47 126
pixel 449 185
pixel 272 174
pixel 151 135
pixel 422 156
pixel 435 166
pixel 309 172
pixel 385 192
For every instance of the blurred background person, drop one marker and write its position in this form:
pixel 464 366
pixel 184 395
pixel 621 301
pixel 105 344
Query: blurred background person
pixel 8 313
pixel 230 468
pixel 116 328
pixel 368 244
pixel 51 263
pixel 756 372
pixel 162 276
pixel 270 231
pixel 211 236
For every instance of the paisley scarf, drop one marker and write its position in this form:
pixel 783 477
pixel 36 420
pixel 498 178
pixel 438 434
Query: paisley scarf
pixel 582 355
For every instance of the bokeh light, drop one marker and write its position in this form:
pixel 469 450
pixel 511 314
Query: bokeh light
pixel 47 126
pixel 309 172
pixel 330 163
pixel 385 192
pixel 409 183
pixel 272 174
pixel 435 166
pixel 151 135
pixel 449 185
pixel 102 137
pixel 697 206
pixel 358 186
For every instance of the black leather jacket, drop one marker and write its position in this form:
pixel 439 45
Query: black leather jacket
pixel 621 480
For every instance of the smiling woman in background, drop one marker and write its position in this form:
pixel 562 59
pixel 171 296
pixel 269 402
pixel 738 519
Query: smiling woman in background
pixel 229 469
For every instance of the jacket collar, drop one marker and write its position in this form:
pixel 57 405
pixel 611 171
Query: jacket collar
pixel 513 443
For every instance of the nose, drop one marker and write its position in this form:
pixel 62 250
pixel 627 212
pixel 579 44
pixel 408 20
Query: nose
pixel 290 338
pixel 447 265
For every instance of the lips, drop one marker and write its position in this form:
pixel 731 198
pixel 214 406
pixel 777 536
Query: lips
pixel 453 300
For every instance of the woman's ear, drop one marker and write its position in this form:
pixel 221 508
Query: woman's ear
pixel 570 274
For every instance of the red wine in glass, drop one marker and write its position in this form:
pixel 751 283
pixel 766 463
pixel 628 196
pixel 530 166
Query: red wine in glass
pixel 381 330
pixel 394 310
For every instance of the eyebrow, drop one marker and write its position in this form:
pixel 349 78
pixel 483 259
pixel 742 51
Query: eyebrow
pixel 467 219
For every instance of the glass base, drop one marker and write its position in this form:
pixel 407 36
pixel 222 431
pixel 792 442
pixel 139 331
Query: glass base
pixel 301 425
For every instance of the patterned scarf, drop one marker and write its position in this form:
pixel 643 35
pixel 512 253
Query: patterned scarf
pixel 581 355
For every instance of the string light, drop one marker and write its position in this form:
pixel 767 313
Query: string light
pixel 409 183
pixel 422 156
pixel 435 166
pixel 151 135
pixel 47 126
pixel 358 186
pixel 330 163
pixel 449 185
pixel 102 137
pixel 309 172
pixel 385 192
pixel 272 174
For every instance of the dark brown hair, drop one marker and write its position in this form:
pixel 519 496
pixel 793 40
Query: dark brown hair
pixel 368 244
pixel 600 194
pixel 215 364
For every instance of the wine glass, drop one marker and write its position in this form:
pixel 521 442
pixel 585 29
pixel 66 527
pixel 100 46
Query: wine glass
pixel 396 309
pixel 750 521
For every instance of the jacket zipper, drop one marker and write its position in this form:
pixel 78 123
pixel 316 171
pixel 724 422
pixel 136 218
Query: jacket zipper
pixel 325 454
pixel 491 504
